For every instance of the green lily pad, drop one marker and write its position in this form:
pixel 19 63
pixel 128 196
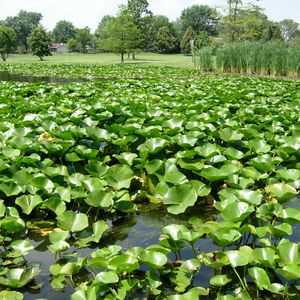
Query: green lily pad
pixel 72 221
pixel 180 198
pixel 28 202
pixel 281 191
pixel 219 280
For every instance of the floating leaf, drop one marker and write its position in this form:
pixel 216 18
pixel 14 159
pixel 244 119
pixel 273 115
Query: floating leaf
pixel 72 221
pixel 219 280
pixel 119 176
pixel 28 202
pixel 180 198
pixel 281 191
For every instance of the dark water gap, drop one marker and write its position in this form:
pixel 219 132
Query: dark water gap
pixel 140 229
pixel 7 76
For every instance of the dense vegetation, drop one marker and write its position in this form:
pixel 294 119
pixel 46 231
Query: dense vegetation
pixel 74 158
pixel 259 58
pixel 141 30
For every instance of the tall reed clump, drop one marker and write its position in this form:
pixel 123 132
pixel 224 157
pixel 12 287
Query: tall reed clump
pixel 206 59
pixel 262 58
pixel 293 62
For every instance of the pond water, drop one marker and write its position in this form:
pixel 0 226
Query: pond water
pixel 134 230
pixel 7 76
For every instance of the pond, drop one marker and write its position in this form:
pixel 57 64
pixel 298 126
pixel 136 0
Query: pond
pixel 7 76
pixel 133 230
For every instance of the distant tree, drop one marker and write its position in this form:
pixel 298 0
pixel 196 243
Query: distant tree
pixel 63 31
pixel 8 39
pixel 249 23
pixel 157 21
pixel 188 36
pixel 272 31
pixel 202 40
pixel 100 31
pixel 200 18
pixel 72 45
pixel 139 10
pixel 165 42
pixel 295 40
pixel 120 34
pixel 83 39
pixel 289 28
pixel 39 42
pixel 23 24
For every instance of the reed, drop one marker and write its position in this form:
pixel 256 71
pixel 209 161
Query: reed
pixel 262 58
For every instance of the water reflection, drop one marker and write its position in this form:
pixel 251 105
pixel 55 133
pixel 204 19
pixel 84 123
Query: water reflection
pixel 7 76
pixel 134 230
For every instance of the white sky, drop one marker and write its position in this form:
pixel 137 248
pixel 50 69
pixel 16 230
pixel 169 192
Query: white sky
pixel 89 12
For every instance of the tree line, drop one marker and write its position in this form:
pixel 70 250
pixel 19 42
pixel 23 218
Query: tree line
pixel 135 28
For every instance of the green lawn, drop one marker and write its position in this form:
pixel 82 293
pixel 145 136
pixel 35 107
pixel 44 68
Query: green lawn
pixel 178 60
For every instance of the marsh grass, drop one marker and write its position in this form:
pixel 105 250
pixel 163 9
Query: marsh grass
pixel 261 58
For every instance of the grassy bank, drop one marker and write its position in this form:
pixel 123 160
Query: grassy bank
pixel 177 60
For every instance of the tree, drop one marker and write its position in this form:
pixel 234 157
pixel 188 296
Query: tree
pixel 39 42
pixel 8 39
pixel 72 45
pixel 142 16
pixel 249 23
pixel 202 40
pixel 200 18
pixel 120 34
pixel 165 42
pixel 156 23
pixel 100 31
pixel 289 28
pixel 188 36
pixel 23 24
pixel 63 31
pixel 83 39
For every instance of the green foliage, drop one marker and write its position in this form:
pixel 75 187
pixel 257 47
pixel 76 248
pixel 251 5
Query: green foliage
pixel 156 22
pixel 86 156
pixel 83 39
pixel 23 23
pixel 272 58
pixel 289 29
pixel 249 24
pixel 185 44
pixel 120 34
pixel 7 41
pixel 39 42
pixel 200 18
pixel 164 41
pixel 63 32
pixel 72 46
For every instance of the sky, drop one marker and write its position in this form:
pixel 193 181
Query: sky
pixel 89 12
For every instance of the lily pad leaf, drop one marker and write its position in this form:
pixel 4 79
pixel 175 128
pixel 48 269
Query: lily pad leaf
pixel 106 278
pixel 123 263
pixel 237 211
pixel 219 280
pixel 180 198
pixel 17 278
pixel 281 191
pixel 22 247
pixel 225 236
pixel 153 259
pixel 260 277
pixel 28 202
pixel 72 221
pixel 153 145
pixel 100 198
pixel 119 176
pixel 239 257
pixel 11 295
pixel 290 272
